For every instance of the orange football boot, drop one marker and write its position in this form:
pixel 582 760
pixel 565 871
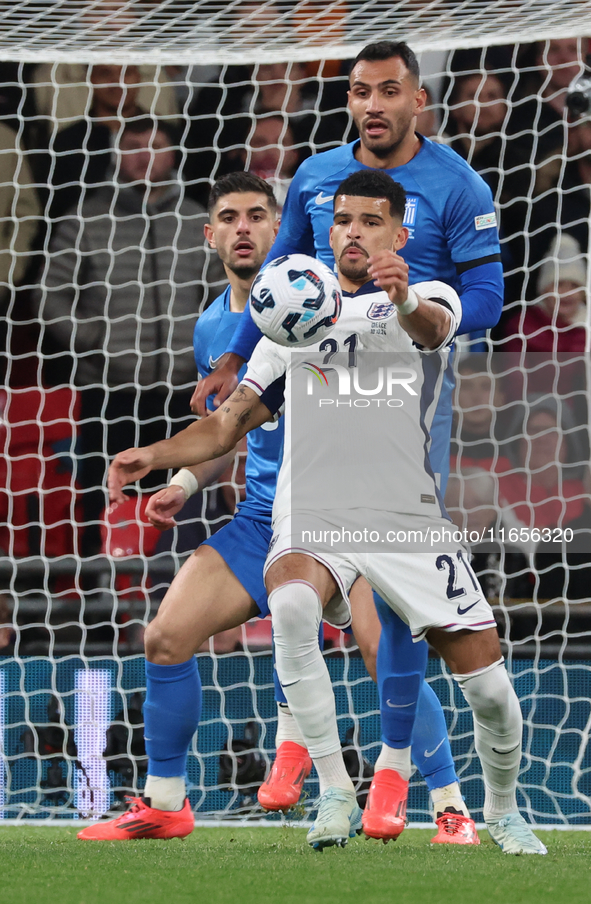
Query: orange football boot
pixel 385 810
pixel 283 786
pixel 455 828
pixel 142 821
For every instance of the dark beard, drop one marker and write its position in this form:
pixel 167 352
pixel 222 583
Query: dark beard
pixel 244 272
pixel 383 152
pixel 352 272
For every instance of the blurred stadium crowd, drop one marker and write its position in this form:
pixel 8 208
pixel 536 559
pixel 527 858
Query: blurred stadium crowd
pixel 105 172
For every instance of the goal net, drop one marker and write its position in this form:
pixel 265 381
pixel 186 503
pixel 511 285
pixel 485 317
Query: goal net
pixel 103 273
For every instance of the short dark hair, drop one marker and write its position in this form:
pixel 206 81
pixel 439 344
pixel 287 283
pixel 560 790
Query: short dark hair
pixel 368 183
pixel 387 50
pixel 137 126
pixel 240 182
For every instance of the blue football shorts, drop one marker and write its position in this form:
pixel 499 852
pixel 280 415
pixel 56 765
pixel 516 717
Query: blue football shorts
pixel 243 545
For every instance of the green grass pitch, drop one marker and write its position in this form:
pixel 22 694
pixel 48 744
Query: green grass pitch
pixel 244 866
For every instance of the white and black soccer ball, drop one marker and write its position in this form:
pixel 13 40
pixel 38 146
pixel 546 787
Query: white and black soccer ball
pixel 296 300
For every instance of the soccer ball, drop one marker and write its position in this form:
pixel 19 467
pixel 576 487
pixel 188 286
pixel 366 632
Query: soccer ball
pixel 295 300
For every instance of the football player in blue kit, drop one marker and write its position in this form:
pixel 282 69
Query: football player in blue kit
pixel 222 584
pixel 449 213
pixel 452 237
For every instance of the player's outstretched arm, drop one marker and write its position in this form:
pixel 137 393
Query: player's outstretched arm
pixel 220 383
pixel 426 322
pixel 165 504
pixel 202 441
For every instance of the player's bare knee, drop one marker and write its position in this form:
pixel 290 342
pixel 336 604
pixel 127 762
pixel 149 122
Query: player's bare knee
pixel 164 647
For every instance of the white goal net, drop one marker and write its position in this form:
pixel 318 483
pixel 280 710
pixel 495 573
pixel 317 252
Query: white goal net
pixel 103 274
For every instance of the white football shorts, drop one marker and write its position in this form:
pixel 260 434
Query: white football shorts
pixel 426 589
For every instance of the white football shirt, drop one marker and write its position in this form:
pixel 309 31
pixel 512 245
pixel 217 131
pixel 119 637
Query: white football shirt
pixel 358 408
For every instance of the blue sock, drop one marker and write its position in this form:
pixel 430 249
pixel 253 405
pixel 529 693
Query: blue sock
pixel 171 714
pixel 279 695
pixel 431 752
pixel 402 664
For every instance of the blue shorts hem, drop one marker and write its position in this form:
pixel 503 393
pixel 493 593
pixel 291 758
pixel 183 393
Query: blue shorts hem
pixel 243 545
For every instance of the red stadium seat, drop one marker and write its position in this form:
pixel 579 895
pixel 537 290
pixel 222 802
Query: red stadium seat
pixel 38 495
pixel 125 530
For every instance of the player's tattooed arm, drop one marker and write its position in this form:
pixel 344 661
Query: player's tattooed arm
pixel 243 411
pixel 238 397
pixel 202 441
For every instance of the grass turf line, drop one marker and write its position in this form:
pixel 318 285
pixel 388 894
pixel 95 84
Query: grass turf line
pixel 250 866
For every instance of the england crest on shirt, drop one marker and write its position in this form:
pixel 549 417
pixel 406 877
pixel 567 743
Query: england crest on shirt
pixel 410 215
pixel 380 310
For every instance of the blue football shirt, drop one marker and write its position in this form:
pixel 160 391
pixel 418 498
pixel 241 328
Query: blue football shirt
pixel 213 331
pixel 449 212
pixel 452 235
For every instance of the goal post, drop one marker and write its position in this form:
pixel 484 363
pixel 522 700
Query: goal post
pixel 262 85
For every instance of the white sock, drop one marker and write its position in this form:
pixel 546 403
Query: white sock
pixel 448 796
pixel 296 612
pixel 166 793
pixel 397 758
pixel 498 728
pixel 332 773
pixel 287 727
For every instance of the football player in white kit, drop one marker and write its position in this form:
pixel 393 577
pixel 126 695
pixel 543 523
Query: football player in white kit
pixel 433 589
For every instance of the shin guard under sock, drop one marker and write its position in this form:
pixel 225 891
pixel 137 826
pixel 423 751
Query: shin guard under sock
pixel 171 714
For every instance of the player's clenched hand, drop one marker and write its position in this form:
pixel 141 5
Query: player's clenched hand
pixel 128 467
pixel 222 382
pixel 164 505
pixel 390 272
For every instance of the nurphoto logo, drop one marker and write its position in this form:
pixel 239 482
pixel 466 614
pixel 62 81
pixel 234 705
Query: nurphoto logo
pixel 386 379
